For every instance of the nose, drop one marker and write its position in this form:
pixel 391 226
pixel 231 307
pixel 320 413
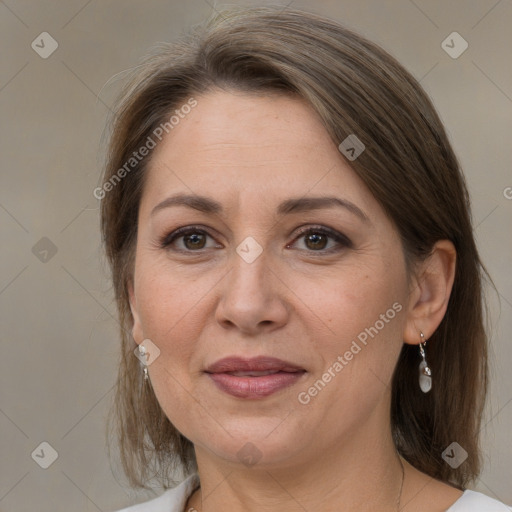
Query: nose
pixel 253 298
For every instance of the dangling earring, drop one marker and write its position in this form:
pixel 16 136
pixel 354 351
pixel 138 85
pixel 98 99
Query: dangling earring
pixel 425 372
pixel 142 352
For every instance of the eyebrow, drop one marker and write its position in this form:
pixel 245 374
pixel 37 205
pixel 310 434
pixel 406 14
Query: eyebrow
pixel 294 205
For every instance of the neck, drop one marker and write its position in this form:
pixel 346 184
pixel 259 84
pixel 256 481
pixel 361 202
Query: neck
pixel 352 476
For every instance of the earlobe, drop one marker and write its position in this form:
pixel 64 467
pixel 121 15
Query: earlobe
pixel 431 292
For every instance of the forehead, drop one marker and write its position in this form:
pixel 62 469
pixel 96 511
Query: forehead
pixel 231 123
pixel 235 145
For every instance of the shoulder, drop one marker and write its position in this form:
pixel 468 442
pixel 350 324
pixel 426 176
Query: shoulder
pixel 172 500
pixel 472 501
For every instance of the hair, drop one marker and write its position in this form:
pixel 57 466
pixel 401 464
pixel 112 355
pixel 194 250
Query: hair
pixel 355 87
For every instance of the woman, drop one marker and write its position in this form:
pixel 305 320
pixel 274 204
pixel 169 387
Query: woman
pixel 295 270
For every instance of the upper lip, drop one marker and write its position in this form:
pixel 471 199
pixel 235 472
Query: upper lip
pixel 242 364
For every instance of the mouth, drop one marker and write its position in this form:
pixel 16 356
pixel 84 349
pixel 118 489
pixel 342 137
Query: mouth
pixel 253 378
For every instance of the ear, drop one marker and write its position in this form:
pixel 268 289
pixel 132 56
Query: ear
pixel 430 292
pixel 137 332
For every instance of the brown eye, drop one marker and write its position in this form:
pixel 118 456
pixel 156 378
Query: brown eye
pixel 188 239
pixel 194 241
pixel 322 240
pixel 316 241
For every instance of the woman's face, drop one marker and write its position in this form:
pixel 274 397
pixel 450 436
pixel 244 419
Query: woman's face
pixel 268 268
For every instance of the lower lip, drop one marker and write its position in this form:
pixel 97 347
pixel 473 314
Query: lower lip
pixel 255 387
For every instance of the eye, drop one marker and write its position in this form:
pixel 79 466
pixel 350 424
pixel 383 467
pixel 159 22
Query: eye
pixel 188 239
pixel 316 239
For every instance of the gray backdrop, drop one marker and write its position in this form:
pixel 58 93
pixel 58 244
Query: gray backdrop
pixel 58 328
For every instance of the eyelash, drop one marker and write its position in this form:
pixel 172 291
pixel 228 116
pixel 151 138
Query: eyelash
pixel 341 239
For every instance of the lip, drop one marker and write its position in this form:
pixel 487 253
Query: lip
pixel 270 376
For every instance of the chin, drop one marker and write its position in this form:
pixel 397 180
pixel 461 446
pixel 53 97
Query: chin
pixel 267 442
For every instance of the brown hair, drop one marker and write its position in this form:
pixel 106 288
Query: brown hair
pixel 408 165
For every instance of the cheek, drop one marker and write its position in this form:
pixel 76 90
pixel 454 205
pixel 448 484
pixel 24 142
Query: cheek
pixel 352 299
pixel 359 347
pixel 169 312
pixel 358 315
pixel 169 318
pixel 168 296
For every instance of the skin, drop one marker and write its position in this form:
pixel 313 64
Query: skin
pixel 296 301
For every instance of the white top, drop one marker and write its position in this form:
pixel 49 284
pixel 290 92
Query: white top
pixel 175 500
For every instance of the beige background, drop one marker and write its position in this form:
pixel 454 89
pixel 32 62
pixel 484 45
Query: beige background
pixel 58 329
